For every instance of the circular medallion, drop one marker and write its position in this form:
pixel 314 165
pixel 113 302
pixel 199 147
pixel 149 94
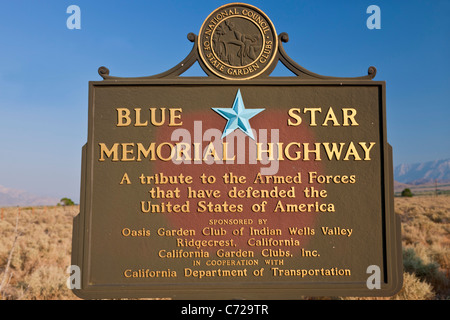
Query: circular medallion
pixel 237 41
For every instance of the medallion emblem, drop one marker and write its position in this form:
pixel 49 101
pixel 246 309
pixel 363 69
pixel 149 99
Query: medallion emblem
pixel 237 41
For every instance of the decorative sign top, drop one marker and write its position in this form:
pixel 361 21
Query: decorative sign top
pixel 237 41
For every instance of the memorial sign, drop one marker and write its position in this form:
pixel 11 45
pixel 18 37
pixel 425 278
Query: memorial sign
pixel 238 184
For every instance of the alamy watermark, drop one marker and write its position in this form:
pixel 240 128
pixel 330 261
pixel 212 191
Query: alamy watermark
pixel 374 280
pixel 374 20
pixel 74 279
pixel 234 149
pixel 74 20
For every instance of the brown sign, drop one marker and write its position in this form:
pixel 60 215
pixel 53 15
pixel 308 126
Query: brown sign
pixel 208 188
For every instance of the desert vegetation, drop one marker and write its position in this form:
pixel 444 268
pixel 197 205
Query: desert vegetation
pixel 426 243
pixel 39 258
pixel 36 246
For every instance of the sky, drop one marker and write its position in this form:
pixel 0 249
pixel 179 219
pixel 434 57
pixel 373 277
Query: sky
pixel 45 68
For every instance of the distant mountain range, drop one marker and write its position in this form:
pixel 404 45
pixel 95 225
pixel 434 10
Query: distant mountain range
pixel 12 197
pixel 422 173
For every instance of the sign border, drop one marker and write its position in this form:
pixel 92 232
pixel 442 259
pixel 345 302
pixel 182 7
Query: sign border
pixel 393 275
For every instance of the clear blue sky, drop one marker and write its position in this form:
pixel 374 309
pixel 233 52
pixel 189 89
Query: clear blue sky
pixel 45 69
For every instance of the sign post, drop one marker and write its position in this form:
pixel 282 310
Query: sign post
pixel 238 184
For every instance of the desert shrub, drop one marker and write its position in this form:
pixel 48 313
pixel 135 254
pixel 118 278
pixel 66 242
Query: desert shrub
pixel 440 254
pixel 415 265
pixel 414 289
pixel 46 282
pixel 425 271
pixel 407 193
pixel 66 202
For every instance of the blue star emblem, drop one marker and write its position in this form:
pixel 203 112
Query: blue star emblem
pixel 238 117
